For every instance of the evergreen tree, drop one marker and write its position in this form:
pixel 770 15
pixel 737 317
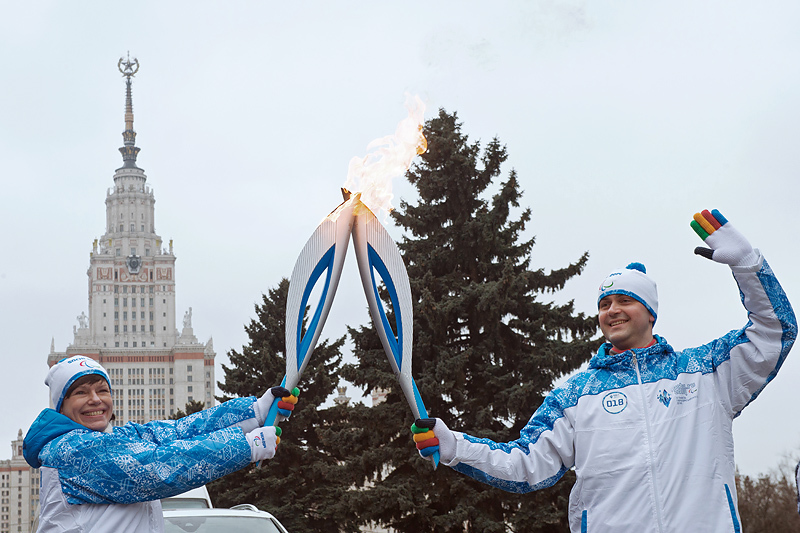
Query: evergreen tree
pixel 194 406
pixel 301 484
pixel 486 350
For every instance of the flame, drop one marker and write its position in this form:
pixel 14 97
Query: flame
pixel 387 158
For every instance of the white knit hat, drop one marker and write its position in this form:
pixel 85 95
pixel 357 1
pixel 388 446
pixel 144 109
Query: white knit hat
pixel 634 282
pixel 66 372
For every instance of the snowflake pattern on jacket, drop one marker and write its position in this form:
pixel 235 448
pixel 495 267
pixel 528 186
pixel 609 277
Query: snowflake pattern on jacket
pixel 141 462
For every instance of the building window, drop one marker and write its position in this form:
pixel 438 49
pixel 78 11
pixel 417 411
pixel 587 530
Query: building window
pixel 125 344
pixel 151 328
pixel 189 388
pixel 189 368
pixel 116 345
pixel 116 329
pixel 146 250
pixel 134 330
pixel 116 315
pixel 124 315
pixel 124 302
pixel 141 302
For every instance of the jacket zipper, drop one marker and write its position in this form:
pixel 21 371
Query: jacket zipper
pixel 656 501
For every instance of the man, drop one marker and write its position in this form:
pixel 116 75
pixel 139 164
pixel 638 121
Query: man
pixel 647 429
pixel 93 479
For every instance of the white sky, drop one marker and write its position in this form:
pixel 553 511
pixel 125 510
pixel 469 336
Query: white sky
pixel 622 119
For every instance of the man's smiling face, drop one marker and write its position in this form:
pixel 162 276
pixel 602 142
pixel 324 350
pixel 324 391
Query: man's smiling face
pixel 625 322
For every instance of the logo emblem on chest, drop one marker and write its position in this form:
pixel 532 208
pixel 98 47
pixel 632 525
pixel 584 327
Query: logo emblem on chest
pixel 615 402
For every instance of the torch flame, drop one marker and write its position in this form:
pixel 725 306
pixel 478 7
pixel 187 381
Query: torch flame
pixel 388 157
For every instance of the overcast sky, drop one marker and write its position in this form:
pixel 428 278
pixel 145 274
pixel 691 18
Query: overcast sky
pixel 621 118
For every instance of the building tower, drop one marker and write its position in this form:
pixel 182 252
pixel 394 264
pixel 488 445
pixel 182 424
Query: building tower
pixel 130 329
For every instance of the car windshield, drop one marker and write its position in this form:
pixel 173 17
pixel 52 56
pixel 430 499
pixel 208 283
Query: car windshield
pixel 219 524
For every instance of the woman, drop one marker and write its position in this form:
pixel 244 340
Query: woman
pixel 97 479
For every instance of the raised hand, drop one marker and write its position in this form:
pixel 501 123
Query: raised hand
pixel 726 244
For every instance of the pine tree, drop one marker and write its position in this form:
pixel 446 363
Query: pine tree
pixel 301 485
pixel 193 406
pixel 486 349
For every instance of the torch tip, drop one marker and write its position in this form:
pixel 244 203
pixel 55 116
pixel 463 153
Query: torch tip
pixel 346 194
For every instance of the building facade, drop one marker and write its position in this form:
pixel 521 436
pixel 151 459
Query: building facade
pixel 19 491
pixel 155 369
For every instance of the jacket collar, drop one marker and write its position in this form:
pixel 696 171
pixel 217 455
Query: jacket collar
pixel 609 360
pixel 47 426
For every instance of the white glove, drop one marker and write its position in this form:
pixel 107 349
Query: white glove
pixel 426 440
pixel 265 402
pixel 263 442
pixel 726 244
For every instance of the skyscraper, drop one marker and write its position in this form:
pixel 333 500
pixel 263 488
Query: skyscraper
pixel 130 329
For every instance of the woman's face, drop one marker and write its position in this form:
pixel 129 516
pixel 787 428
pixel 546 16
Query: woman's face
pixel 90 405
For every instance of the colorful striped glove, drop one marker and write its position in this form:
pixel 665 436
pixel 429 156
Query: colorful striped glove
pixel 287 402
pixel 726 244
pixel 428 442
pixel 288 399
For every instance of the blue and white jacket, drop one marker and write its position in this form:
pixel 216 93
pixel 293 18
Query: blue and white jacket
pixel 648 431
pixel 98 481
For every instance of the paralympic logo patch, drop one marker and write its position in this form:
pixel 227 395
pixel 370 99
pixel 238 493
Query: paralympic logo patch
pixel 615 402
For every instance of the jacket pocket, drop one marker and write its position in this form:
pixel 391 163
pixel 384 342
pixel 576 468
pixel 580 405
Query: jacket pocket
pixel 732 507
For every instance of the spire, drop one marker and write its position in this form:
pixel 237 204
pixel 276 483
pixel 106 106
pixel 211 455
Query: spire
pixel 129 150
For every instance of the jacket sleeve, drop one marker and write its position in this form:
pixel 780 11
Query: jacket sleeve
pixel 96 467
pixel 238 412
pixel 745 360
pixel 539 458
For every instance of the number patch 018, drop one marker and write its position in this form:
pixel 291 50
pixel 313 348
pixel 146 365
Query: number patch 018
pixel 615 402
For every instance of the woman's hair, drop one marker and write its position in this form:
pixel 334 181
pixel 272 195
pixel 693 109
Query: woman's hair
pixel 83 380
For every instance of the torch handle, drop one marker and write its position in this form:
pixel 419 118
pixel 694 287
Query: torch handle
pixel 272 414
pixel 418 408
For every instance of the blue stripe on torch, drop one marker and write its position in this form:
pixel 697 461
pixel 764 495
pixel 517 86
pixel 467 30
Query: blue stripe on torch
pixel 325 263
pixel 376 263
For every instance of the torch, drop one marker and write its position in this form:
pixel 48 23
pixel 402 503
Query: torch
pixel 323 254
pixel 377 252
